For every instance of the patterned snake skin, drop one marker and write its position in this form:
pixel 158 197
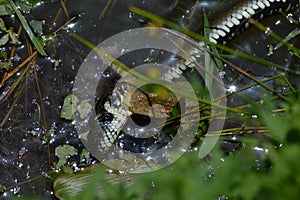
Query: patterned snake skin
pixel 115 116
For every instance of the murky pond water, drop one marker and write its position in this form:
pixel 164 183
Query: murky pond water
pixel 25 157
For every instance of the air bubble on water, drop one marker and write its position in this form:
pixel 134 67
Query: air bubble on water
pixel 76 167
pixel 38 4
pixel 94 162
pixel 232 88
pixel 121 144
pixel 259 149
pixel 17 57
pixel 254 116
pixel 15 190
pixel 124 50
pixel 268 30
pixel 271 50
pixel 152 184
pixel 130 14
pixel 223 198
pixel 20 165
pixel 28 175
pixel 148 158
pixel 4 160
pixel 152 51
pixel 148 60
pixel 183 150
pixel 290 18
pixel 148 149
pixel 71 25
pixel 222 74
pixel 210 174
pixel 22 151
pixel 234 138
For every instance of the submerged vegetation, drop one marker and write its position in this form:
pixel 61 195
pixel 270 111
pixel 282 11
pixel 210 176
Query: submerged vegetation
pixel 274 174
pixel 262 160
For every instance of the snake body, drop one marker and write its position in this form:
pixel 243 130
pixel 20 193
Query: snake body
pixel 114 115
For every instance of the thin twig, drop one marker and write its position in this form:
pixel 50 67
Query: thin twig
pixel 239 70
pixel 12 53
pixel 39 93
pixel 11 108
pixel 63 5
pixel 14 71
pixel 239 131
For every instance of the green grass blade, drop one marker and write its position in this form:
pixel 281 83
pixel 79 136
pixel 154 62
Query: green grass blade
pixel 219 64
pixel 198 37
pixel 208 62
pixel 276 37
pixel 25 25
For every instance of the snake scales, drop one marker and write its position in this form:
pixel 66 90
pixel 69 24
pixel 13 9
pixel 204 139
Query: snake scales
pixel 111 107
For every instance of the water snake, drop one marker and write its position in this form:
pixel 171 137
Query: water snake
pixel 113 116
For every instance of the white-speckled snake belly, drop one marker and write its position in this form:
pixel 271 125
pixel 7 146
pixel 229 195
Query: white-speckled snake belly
pixel 112 120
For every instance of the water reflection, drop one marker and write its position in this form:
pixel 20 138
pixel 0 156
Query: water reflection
pixel 23 155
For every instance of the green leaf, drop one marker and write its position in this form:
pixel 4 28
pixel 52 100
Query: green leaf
pixel 24 6
pixel 56 63
pixel 85 135
pixel 84 108
pixel 277 125
pixel 14 39
pixel 3 11
pixel 70 186
pixel 4 39
pixel 2 188
pixel 3 54
pixel 2 25
pixel 47 135
pixel 29 32
pixel 69 107
pixel 37 26
pixel 63 153
pixel 176 110
pixel 85 155
pixel 3 65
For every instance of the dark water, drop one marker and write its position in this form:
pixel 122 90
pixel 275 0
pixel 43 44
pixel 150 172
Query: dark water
pixel 24 157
